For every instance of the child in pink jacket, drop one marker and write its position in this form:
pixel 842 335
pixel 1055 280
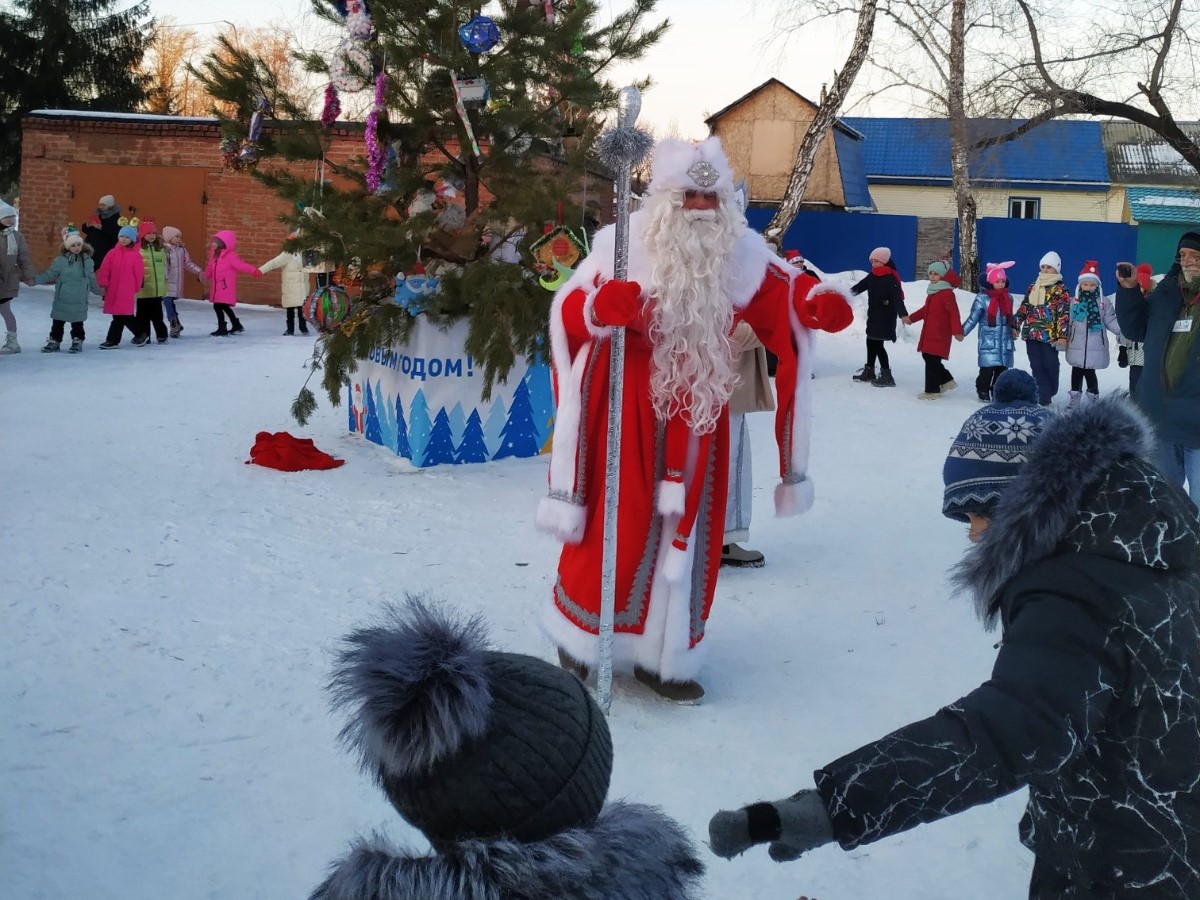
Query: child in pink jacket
pixel 221 274
pixel 120 279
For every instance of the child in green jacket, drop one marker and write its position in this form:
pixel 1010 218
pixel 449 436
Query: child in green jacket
pixel 154 287
pixel 74 277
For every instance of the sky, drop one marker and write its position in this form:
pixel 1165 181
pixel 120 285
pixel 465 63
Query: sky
pixel 715 51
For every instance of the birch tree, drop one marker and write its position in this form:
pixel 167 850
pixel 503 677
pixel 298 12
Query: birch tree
pixel 818 128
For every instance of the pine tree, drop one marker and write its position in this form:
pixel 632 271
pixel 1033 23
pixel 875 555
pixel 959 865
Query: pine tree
pixel 548 93
pixel 520 432
pixel 55 54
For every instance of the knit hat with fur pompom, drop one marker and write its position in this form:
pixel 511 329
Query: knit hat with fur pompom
pixel 467 741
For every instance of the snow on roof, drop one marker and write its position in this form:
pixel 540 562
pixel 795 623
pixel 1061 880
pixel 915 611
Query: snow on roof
pixel 123 116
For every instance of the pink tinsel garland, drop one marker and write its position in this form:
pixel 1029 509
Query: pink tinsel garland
pixel 375 154
pixel 333 106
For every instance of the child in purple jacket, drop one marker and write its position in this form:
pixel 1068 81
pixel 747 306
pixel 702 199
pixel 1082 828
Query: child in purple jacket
pixel 178 260
pixel 221 274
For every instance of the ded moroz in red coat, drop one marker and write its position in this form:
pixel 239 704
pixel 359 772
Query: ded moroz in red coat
pixel 664 591
pixel 942 319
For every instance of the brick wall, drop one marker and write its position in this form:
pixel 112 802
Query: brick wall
pixel 230 200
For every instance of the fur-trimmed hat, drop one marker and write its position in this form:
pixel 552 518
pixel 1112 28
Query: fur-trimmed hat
pixel 684 166
pixel 466 741
pixel 992 446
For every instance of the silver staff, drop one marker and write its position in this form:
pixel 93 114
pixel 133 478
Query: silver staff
pixel 621 148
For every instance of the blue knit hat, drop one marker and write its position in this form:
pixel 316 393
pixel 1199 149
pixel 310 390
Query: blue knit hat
pixel 128 231
pixel 992 446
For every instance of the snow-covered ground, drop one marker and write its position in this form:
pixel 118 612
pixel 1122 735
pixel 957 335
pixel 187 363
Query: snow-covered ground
pixel 169 615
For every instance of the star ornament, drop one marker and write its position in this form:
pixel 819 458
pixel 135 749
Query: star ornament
pixel 703 173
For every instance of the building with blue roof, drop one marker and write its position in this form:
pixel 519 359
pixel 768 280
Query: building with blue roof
pixel 1055 171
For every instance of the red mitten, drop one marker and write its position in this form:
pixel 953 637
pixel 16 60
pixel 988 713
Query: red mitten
pixel 617 302
pixel 92 222
pixel 257 273
pixel 827 311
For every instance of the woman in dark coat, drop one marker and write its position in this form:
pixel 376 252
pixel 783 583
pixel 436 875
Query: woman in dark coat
pixel 101 229
pixel 1089 559
pixel 885 304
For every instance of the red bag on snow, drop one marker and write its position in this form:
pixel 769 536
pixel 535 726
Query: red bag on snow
pixel 280 450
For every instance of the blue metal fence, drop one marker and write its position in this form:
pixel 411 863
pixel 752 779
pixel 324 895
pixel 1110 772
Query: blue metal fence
pixel 1027 240
pixel 840 241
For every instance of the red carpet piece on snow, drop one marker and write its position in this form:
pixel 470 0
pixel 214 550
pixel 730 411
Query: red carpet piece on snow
pixel 281 450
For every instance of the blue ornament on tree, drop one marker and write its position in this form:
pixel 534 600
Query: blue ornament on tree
pixel 479 35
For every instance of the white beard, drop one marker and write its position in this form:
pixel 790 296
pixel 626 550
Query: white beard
pixel 692 314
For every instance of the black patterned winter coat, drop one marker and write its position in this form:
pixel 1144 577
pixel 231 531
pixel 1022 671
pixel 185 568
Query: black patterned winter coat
pixel 1092 566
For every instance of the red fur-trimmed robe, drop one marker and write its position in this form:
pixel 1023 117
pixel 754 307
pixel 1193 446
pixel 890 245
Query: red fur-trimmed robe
pixel 664 580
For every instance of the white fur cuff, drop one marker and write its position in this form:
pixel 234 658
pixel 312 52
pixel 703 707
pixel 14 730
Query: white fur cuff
pixel 671 497
pixel 596 331
pixel 794 499
pixel 673 564
pixel 562 519
pixel 832 287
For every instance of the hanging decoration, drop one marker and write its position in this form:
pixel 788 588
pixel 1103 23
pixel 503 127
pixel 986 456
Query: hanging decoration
pixel 243 154
pixel 327 306
pixel 249 152
pixel 413 291
pixel 479 35
pixel 462 114
pixel 358 19
pixel 474 90
pixel 375 152
pixel 332 108
pixel 558 279
pixel 558 245
pixel 348 67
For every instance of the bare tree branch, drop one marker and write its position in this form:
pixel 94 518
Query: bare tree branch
pixel 819 127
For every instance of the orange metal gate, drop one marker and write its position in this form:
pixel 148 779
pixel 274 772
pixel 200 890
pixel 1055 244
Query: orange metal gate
pixel 163 194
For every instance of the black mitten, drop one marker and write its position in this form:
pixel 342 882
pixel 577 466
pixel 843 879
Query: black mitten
pixel 1122 357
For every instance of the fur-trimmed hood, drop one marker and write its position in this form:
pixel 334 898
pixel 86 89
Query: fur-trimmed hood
pixel 1087 467
pixel 631 852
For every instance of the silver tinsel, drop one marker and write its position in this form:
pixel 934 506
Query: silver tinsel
pixel 623 146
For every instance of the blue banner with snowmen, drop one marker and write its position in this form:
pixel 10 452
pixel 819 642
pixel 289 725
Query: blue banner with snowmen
pixel 423 402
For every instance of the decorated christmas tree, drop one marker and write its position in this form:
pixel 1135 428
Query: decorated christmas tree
pixel 478 139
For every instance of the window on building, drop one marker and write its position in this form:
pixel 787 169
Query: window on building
pixel 1024 208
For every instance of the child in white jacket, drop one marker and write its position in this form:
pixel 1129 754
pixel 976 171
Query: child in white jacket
pixel 294 290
